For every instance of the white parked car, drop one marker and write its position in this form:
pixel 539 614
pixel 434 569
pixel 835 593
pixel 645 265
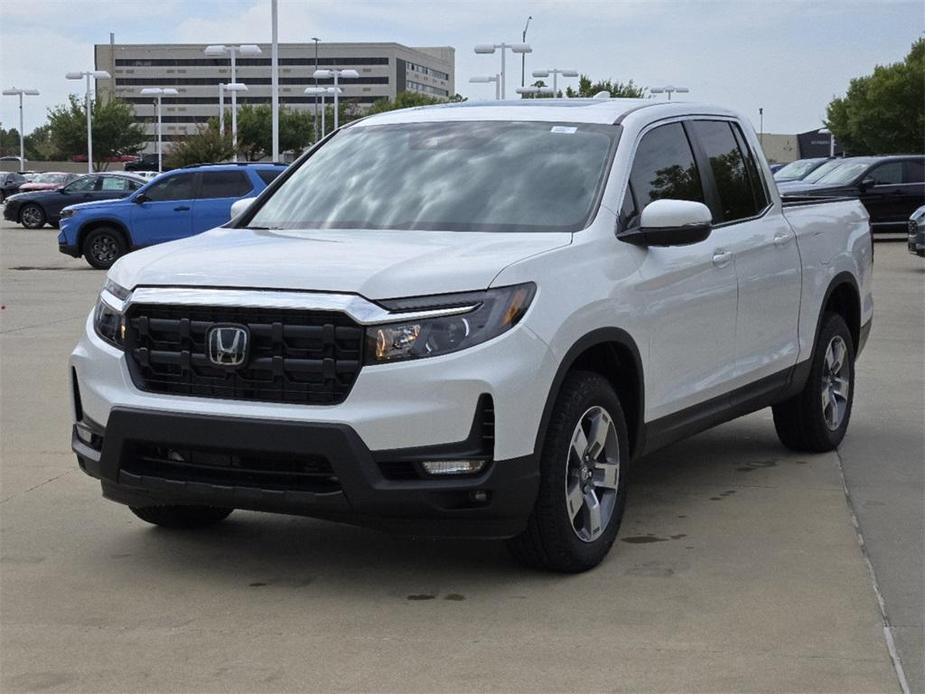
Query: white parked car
pixel 468 320
pixel 147 175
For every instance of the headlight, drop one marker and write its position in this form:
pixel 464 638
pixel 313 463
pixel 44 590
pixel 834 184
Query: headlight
pixel 481 316
pixel 108 319
pixel 67 212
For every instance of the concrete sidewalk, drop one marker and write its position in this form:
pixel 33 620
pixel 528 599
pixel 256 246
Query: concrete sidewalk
pixel 737 569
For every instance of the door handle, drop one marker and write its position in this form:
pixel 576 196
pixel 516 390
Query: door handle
pixel 782 238
pixel 721 258
pixel 182 208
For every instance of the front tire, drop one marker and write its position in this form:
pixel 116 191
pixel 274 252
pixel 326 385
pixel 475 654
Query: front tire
pixel 181 516
pixel 32 217
pixel 102 247
pixel 815 419
pixel 583 467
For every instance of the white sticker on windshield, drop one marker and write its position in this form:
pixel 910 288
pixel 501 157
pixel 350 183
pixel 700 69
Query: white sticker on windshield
pixel 566 129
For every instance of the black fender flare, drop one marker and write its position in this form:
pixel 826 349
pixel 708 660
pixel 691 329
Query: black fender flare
pixel 592 339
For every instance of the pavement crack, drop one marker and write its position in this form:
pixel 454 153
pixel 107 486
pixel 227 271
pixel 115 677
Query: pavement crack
pixel 40 484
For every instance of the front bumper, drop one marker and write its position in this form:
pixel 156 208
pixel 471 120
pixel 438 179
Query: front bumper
pixel 11 211
pixel 493 504
pixel 916 241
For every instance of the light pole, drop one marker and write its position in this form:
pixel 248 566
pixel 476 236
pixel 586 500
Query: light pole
pixel 232 87
pixel 485 79
pixel 317 41
pixel 823 131
pixel 232 52
pixel 274 78
pixel 669 89
pixel 523 56
pixel 159 92
pixel 761 126
pixel 337 75
pixel 321 92
pixel 13 91
pixel 555 72
pixel 513 47
pixel 99 75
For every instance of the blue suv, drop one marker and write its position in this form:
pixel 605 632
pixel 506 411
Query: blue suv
pixel 176 204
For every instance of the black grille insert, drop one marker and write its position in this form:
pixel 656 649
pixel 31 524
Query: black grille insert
pixel 311 473
pixel 295 356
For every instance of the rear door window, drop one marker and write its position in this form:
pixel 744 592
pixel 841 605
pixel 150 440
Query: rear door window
pixel 663 167
pixel 224 184
pixel 729 170
pixel 116 183
pixel 889 174
pixel 913 172
pixel 269 175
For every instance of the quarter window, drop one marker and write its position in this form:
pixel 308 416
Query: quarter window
pixel 269 175
pixel 178 187
pixel 224 184
pixel 914 172
pixel 664 167
pixel 729 170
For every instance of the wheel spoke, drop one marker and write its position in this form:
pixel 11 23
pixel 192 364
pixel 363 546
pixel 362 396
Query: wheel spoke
pixel 574 499
pixel 607 474
pixel 592 515
pixel 840 388
pixel 826 399
pixel 579 442
pixel 597 436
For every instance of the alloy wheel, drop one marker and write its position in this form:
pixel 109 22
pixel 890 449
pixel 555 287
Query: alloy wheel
pixel 104 249
pixel 835 383
pixel 593 474
pixel 32 217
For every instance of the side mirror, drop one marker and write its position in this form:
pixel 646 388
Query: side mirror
pixel 140 198
pixel 239 206
pixel 866 183
pixel 671 223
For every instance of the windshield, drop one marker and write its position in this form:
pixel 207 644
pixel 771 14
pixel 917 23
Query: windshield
pixel 796 170
pixel 845 173
pixel 823 170
pixel 462 176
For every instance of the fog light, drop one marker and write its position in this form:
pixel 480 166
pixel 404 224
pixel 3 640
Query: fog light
pixel 452 467
pixel 84 433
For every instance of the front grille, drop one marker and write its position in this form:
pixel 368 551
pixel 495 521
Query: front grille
pixel 306 472
pixel 299 357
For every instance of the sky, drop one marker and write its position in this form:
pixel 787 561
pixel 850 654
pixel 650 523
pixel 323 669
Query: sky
pixel 789 57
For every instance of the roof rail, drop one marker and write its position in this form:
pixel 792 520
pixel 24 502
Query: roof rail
pixel 234 163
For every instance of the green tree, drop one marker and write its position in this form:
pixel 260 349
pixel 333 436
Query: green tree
pixel 404 100
pixel 9 142
pixel 255 130
pixel 39 145
pixel 206 146
pixel 588 88
pixel 884 112
pixel 115 131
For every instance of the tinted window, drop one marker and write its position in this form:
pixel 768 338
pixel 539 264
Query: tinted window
pixel 178 187
pixel 269 175
pixel 728 167
pixel 914 172
pixel 664 167
pixel 887 174
pixel 82 184
pixel 755 179
pixel 224 184
pixel 458 176
pixel 116 183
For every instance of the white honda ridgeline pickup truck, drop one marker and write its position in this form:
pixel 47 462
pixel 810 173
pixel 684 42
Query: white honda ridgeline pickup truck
pixel 467 320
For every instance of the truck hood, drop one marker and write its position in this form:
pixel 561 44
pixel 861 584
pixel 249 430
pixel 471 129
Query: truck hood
pixel 374 264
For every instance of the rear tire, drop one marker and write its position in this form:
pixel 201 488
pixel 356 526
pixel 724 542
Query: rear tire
pixel 103 246
pixel 32 216
pixel 181 516
pixel 582 491
pixel 815 419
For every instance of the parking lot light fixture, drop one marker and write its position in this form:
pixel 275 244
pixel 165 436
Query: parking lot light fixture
pixel 159 92
pixel 336 75
pixel 555 72
pixel 485 79
pixel 13 91
pixel 669 89
pixel 97 75
pixel 232 87
pixel 221 50
pixel 321 92
pixel 488 48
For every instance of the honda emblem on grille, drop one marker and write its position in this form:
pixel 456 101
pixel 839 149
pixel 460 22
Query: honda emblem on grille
pixel 227 345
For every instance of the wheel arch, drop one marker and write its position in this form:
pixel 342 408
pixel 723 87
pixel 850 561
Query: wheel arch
pixel 612 353
pixel 99 223
pixel 844 298
pixel 34 203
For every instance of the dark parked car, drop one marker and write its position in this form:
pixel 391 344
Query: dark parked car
pixel 9 183
pixel 34 210
pixel 891 188
pixel 146 162
pixel 799 169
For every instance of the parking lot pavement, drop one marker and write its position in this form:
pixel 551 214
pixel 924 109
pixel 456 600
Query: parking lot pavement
pixel 737 569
